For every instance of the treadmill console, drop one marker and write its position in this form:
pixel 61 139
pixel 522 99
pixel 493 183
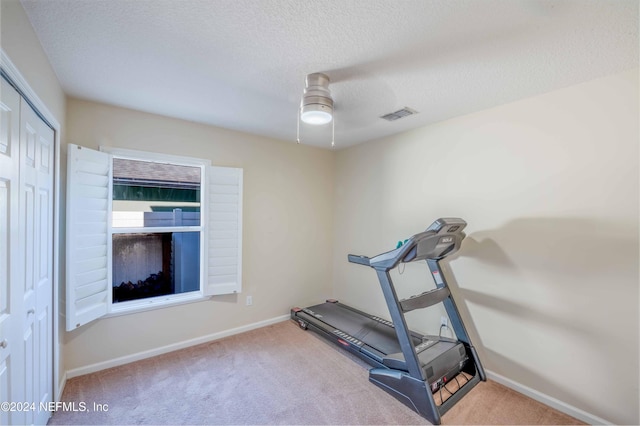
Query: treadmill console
pixel 447 225
pixel 442 238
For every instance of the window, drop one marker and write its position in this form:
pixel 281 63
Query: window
pixel 148 230
pixel 155 229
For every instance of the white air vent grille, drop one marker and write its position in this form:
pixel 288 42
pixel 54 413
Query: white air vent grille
pixel 404 112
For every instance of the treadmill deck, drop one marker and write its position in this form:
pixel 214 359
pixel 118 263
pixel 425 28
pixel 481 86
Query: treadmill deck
pixel 380 336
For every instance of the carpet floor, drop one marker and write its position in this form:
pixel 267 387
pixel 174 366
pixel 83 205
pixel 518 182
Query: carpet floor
pixel 278 374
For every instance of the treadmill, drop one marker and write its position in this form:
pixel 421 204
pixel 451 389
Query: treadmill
pixel 410 366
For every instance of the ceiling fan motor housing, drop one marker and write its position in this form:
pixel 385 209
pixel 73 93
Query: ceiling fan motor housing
pixel 317 104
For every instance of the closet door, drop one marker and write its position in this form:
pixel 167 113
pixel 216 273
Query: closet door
pixel 26 259
pixel 12 358
pixel 36 230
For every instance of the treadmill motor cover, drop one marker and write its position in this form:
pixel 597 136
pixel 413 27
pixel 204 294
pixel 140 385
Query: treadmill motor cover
pixel 440 361
pixel 445 365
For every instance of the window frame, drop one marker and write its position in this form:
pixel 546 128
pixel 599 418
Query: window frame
pixel 131 306
pixel 89 204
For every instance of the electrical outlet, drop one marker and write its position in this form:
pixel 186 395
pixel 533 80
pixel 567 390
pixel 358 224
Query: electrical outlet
pixel 444 321
pixel 249 300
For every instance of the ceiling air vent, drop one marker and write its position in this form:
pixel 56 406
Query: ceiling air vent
pixel 404 112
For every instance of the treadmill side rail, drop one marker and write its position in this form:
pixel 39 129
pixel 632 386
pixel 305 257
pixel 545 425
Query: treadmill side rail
pixel 410 391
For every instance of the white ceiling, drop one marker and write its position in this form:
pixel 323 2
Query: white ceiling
pixel 241 64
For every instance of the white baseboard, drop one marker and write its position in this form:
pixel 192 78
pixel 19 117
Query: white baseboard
pixel 548 400
pixel 61 388
pixel 169 348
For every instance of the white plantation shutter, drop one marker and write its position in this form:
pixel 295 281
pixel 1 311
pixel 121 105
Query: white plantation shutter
pixel 88 203
pixel 224 274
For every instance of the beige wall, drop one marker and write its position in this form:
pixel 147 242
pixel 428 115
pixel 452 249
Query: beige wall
pixel 548 275
pixel 287 226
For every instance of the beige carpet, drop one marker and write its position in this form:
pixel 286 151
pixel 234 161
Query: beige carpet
pixel 275 375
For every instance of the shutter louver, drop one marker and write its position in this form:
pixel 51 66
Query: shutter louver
pixel 224 274
pixel 88 197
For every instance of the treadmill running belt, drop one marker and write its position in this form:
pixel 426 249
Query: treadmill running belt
pixel 377 335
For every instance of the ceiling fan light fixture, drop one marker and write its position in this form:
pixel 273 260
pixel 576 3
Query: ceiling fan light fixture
pixel 316 114
pixel 317 105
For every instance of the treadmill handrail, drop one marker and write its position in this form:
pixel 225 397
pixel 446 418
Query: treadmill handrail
pixel 362 260
pixel 389 260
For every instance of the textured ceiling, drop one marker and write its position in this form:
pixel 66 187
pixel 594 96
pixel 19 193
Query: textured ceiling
pixel 241 64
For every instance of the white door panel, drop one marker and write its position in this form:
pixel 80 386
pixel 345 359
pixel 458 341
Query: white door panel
pixel 44 271
pixel 12 356
pixel 36 227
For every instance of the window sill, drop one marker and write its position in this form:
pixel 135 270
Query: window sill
pixel 135 306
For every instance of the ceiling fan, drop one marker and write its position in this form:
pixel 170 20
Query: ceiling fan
pixel 316 106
